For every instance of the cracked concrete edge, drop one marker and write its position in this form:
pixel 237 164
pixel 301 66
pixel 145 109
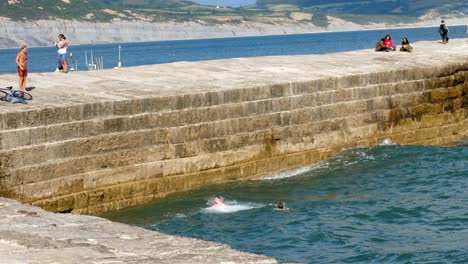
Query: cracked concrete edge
pixel 31 235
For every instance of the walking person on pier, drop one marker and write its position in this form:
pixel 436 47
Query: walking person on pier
pixel 21 62
pixel 62 47
pixel 443 29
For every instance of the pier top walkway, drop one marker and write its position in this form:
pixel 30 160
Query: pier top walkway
pixel 58 89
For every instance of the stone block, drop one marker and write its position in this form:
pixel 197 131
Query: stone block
pixel 306 87
pixel 13 120
pixel 232 173
pixel 35 118
pixel 15 138
pixel 348 82
pixel 81 200
pixel 178 135
pixel 248 170
pixel 232 96
pixel 327 84
pixel 344 95
pixel 166 103
pixel 255 93
pixel 142 121
pixel 426 133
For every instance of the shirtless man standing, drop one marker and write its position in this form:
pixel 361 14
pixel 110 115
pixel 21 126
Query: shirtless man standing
pixel 22 61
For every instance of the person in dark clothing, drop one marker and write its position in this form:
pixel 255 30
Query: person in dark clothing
pixel 405 45
pixel 281 207
pixel 443 29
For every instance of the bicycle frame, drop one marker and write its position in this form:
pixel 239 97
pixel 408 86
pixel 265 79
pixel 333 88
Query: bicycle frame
pixel 4 92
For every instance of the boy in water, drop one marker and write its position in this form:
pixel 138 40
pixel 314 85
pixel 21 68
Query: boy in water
pixel 281 207
pixel 217 202
pixel 21 62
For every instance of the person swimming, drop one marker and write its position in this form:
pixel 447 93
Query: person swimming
pixel 281 207
pixel 218 202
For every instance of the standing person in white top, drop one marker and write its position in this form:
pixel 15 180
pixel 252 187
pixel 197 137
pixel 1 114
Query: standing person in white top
pixel 62 47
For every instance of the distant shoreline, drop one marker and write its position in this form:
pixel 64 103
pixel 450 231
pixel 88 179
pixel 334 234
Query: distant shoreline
pixel 267 35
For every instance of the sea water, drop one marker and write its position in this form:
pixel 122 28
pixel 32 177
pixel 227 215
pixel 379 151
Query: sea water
pixel 134 54
pixel 384 204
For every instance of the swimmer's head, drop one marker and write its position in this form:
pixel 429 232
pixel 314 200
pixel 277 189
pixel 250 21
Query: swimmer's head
pixel 218 200
pixel 280 205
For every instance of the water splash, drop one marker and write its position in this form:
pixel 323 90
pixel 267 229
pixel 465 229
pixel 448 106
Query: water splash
pixel 300 171
pixel 230 207
pixel 387 142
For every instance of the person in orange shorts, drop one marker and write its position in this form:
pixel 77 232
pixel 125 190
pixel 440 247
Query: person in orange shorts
pixel 22 62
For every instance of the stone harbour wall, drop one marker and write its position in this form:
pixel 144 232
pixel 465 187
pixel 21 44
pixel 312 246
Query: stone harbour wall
pixel 93 157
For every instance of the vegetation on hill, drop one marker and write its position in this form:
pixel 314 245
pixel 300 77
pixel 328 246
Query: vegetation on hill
pixel 49 9
pixel 376 7
pixel 147 4
pixel 267 11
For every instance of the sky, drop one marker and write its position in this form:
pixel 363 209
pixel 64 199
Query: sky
pixel 233 3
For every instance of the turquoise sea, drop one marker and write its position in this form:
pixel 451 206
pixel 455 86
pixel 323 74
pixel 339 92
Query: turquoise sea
pixel 385 204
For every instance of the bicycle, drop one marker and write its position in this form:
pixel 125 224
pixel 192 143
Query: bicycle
pixel 8 91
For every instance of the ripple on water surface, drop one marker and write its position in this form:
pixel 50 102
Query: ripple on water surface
pixel 386 204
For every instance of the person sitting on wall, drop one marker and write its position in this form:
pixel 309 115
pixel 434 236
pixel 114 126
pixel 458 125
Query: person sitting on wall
pixel 388 43
pixel 380 46
pixel 405 45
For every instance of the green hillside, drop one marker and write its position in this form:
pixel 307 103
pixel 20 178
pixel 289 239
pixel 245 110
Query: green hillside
pixel 265 11
pixel 47 9
pixel 106 10
pixel 376 7
pixel 146 4
pixel 358 11
pixel 180 10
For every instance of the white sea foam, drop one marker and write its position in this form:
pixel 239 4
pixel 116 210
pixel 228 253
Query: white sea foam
pixel 180 215
pixel 387 142
pixel 289 174
pixel 231 207
pixel 357 155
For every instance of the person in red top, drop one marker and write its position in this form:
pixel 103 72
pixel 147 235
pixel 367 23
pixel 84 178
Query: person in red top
pixel 388 42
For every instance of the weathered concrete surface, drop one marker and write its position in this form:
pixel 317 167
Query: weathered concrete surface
pixel 98 141
pixel 31 235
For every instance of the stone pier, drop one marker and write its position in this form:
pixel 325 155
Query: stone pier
pixel 96 141
pixel 31 235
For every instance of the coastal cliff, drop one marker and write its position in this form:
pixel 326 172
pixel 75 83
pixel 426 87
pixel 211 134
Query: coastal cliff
pixel 124 137
pixel 43 32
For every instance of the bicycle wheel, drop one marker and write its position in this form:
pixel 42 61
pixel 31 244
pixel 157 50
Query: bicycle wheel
pixel 24 95
pixel 3 95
